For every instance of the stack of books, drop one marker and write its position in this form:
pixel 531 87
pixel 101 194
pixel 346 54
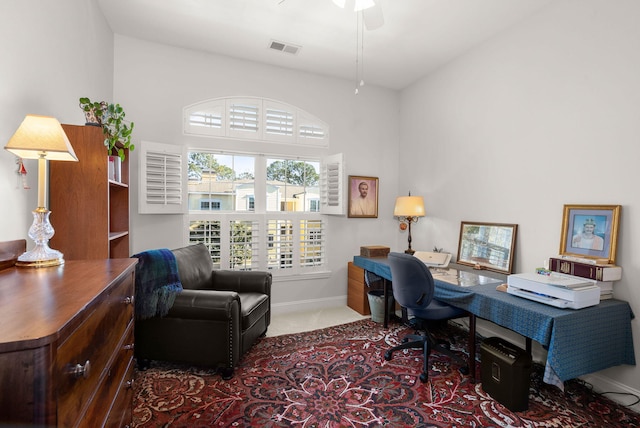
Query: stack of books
pixel 604 274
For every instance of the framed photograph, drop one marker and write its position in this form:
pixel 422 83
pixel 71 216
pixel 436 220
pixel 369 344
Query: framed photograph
pixel 489 246
pixel 590 231
pixel 363 196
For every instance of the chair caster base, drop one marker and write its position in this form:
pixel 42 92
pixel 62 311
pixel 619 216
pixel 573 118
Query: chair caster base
pixel 464 370
pixel 388 355
pixel 424 377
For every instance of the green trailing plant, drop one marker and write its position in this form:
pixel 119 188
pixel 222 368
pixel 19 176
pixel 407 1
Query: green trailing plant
pixel 111 117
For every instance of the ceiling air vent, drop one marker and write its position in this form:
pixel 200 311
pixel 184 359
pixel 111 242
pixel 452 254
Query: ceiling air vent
pixel 284 47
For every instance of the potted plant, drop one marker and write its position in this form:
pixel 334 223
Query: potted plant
pixel 111 117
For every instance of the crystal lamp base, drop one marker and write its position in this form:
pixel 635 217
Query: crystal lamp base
pixel 40 232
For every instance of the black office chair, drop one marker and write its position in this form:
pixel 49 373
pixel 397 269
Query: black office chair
pixel 413 289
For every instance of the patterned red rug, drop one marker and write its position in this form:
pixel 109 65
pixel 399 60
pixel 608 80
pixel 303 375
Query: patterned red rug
pixel 337 377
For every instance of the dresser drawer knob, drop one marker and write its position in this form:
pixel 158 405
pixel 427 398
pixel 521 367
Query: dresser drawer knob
pixel 128 300
pixel 129 384
pixel 81 371
pixel 128 347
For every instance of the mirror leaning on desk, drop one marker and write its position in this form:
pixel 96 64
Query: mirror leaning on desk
pixel 439 265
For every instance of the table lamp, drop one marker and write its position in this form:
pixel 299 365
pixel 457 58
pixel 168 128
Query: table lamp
pixel 42 138
pixel 409 209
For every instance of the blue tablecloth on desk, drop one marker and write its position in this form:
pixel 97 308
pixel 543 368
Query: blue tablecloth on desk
pixel 578 341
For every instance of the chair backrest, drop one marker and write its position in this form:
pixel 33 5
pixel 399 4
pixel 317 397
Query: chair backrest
pixel 195 266
pixel 412 283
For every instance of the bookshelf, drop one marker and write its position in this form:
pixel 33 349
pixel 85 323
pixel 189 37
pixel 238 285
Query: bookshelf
pixel 89 211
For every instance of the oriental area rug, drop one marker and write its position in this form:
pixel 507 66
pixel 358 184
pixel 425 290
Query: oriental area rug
pixel 338 377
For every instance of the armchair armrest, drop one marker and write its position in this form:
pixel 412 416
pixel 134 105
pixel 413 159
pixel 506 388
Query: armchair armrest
pixel 206 305
pixel 242 281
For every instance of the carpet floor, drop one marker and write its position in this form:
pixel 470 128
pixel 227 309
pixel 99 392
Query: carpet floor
pixel 338 377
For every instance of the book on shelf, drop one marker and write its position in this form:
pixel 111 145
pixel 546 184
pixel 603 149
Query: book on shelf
pixel 600 272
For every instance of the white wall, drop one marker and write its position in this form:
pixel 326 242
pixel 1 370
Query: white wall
pixel 52 54
pixel 544 115
pixel 154 82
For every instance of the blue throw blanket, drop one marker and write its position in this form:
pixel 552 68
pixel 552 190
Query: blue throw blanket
pixel 157 283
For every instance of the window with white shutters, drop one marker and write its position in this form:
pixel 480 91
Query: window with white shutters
pixel 312 244
pixel 253 118
pixel 266 213
pixel 207 232
pixel 252 211
pixel 281 243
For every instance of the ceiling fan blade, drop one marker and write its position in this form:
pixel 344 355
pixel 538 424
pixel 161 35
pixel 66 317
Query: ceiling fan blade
pixel 372 17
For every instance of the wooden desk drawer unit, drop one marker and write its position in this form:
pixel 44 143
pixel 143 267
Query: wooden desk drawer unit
pixel 67 350
pixel 357 298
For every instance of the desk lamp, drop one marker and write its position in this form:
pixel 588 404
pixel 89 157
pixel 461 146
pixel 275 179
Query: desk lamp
pixel 42 138
pixel 409 209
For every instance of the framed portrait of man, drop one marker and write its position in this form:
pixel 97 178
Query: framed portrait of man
pixel 363 196
pixel 590 231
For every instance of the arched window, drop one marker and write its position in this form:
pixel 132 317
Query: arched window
pixel 253 211
pixel 252 118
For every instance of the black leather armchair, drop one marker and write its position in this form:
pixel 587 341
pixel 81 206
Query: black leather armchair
pixel 214 320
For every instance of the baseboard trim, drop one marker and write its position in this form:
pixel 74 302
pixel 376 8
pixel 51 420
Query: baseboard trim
pixel 308 305
pixel 618 392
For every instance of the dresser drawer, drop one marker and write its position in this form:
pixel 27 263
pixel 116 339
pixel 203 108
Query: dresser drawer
pixel 105 410
pixel 83 360
pixel 121 414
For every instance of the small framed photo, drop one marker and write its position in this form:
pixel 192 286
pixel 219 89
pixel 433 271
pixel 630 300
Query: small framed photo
pixel 363 196
pixel 590 231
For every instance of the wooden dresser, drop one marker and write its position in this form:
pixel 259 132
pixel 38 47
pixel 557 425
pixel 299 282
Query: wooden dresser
pixel 66 344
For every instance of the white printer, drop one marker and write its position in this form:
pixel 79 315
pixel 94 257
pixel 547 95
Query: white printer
pixel 556 289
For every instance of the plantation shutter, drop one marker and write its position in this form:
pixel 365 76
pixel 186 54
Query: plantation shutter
pixel 253 118
pixel 279 122
pixel 244 118
pixel 205 119
pixel 332 185
pixel 162 182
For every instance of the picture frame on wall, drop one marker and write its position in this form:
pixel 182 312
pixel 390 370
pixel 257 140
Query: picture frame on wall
pixel 590 231
pixel 363 197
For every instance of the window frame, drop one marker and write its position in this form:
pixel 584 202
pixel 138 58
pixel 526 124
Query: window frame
pixel 314 142
pixel 265 243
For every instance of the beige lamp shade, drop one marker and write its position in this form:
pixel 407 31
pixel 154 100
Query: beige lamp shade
pixel 409 206
pixel 41 137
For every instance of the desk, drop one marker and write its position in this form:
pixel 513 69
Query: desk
pixel 578 341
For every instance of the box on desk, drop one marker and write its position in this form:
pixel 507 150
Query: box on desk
pixel 374 251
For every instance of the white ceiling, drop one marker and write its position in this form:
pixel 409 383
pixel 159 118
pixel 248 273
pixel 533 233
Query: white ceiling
pixel 417 36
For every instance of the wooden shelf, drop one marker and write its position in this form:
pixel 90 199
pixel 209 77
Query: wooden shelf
pixel 117 183
pixel 116 235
